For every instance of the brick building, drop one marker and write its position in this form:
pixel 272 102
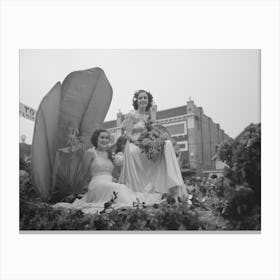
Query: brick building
pixel 196 134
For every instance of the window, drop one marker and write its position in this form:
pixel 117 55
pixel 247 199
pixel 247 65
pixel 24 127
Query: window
pixel 176 129
pixel 197 123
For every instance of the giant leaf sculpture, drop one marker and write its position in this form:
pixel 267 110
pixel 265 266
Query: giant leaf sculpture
pixel 85 99
pixel 44 141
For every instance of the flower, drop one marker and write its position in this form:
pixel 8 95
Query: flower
pixel 152 141
pixel 118 159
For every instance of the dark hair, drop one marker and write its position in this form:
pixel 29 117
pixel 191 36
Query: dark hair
pixel 135 98
pixel 94 140
pixel 95 135
pixel 121 143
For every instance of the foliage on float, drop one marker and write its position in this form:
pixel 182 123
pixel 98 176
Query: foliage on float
pixel 243 156
pixel 242 177
pixel 226 206
pixel 168 215
pixel 230 203
pixel 202 214
pixel 152 140
pixel 70 176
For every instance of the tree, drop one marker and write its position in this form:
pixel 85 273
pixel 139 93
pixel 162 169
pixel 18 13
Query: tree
pixel 243 156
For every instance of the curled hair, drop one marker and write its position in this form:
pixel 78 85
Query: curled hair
pixel 135 99
pixel 94 140
pixel 95 135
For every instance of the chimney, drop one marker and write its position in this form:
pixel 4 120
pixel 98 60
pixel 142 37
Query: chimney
pixel 190 106
pixel 119 118
pixel 154 112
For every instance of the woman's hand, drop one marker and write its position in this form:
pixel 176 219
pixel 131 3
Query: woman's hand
pixel 118 159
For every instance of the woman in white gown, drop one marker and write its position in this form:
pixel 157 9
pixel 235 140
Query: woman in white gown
pixel 101 186
pixel 140 173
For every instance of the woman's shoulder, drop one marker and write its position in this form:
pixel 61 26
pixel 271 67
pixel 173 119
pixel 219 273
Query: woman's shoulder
pixel 132 114
pixel 91 152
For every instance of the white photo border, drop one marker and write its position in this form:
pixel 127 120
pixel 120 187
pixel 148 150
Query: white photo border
pixel 139 25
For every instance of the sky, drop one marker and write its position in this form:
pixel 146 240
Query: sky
pixel 226 83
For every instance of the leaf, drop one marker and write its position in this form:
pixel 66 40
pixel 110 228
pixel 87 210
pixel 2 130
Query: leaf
pixel 44 141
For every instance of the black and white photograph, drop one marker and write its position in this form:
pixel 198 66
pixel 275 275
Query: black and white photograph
pixel 140 140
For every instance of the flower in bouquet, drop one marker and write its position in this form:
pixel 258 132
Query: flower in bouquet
pixel 152 141
pixel 118 159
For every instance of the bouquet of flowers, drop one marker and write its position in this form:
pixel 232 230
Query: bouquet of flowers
pixel 118 159
pixel 152 140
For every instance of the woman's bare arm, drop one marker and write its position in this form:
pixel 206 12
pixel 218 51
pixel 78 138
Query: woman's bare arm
pixel 89 156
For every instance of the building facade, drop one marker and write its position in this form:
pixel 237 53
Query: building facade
pixel 195 133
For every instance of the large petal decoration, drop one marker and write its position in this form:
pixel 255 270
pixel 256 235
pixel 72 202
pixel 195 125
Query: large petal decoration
pixel 98 105
pixel 66 118
pixel 44 141
pixel 86 97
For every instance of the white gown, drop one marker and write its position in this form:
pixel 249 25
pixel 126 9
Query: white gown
pixel 143 175
pixel 101 188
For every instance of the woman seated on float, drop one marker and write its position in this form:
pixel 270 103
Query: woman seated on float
pixel 139 173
